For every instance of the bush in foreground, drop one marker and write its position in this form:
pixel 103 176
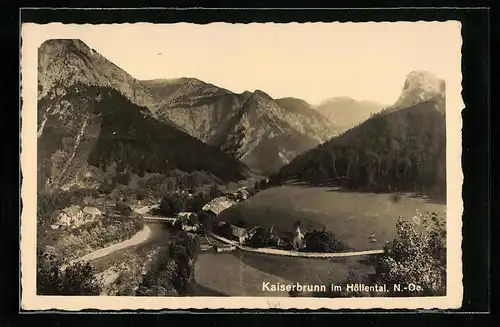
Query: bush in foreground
pixel 261 238
pixel 417 255
pixel 76 279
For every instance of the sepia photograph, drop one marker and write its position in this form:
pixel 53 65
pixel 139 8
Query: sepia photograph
pixel 298 165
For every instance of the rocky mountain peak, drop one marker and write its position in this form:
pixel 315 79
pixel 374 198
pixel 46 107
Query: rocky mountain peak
pixel 65 45
pixel 66 62
pixel 420 86
pixel 261 94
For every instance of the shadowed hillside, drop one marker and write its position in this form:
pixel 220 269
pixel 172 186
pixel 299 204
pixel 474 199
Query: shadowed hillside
pixel 404 150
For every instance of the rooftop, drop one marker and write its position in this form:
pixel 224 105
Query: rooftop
pixel 219 204
pixel 73 210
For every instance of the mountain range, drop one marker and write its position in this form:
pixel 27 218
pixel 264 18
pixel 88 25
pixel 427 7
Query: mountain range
pixel 93 116
pixel 251 126
pixel 345 112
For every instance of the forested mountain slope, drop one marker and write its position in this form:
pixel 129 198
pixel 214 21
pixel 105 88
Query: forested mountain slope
pixel 403 150
pixel 91 129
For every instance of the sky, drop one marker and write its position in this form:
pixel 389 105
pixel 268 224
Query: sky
pixel 312 61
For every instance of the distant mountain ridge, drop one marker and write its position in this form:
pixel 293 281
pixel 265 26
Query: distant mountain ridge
pixel 251 126
pixel 345 112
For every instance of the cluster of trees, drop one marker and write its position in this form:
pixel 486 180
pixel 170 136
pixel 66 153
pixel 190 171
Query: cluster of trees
pixel 207 221
pixel 223 229
pixel 76 279
pixel 403 150
pixel 417 255
pixel 49 202
pixel 159 184
pixel 174 203
pixel 155 185
pixel 315 241
pixel 260 185
pixel 263 237
pixel 322 241
pixel 172 272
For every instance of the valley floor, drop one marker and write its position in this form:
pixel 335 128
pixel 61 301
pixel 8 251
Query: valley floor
pixel 352 216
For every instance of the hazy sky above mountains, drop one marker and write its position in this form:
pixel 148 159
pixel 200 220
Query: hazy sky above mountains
pixel 314 61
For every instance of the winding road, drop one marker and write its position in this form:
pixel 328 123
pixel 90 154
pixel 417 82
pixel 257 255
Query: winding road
pixel 138 238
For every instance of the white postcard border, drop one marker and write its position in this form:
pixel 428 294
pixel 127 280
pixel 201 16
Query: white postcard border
pixel 34 34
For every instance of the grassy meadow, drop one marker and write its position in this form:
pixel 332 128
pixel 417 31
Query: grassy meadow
pixel 352 216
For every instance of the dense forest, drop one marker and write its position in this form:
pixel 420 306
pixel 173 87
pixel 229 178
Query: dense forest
pixel 404 150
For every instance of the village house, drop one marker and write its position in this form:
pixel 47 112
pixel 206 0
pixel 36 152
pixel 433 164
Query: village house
pixel 217 205
pixel 110 204
pixel 100 202
pixel 239 234
pixel 242 235
pixel 71 217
